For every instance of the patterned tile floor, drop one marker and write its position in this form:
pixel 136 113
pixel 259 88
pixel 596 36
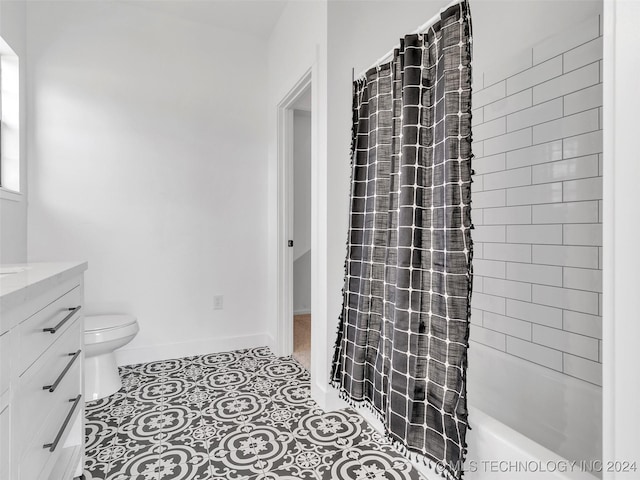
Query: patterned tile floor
pixel 236 415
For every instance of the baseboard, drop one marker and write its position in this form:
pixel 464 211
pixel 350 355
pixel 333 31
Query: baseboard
pixel 302 312
pixel 167 351
pixel 327 397
pixel 271 342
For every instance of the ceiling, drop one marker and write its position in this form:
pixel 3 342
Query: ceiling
pixel 257 16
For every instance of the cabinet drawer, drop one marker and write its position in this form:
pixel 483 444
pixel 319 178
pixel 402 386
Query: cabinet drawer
pixel 36 460
pixel 58 364
pixel 34 340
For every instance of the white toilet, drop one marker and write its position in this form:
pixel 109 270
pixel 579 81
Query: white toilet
pixel 103 334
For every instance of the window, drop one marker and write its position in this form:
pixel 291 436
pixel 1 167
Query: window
pixel 9 120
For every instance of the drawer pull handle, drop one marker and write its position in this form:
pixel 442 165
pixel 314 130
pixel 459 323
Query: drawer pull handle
pixel 52 446
pixel 72 312
pixel 53 387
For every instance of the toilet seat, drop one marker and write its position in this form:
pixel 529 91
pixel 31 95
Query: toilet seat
pixel 106 328
pixel 93 323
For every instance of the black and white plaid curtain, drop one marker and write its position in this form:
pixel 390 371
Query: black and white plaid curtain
pixel 403 333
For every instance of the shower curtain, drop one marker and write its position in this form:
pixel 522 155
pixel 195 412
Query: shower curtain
pixel 403 333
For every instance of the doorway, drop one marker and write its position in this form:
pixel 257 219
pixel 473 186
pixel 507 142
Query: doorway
pixel 302 229
pixel 294 261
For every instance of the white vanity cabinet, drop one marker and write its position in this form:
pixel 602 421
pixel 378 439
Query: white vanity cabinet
pixel 41 371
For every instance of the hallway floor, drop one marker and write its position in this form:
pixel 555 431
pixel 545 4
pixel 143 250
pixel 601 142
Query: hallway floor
pixel 235 415
pixel 302 339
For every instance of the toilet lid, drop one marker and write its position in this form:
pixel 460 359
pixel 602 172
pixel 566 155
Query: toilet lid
pixel 93 323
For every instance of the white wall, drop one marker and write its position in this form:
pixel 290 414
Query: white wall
pixel 13 207
pixel 301 211
pixel 147 158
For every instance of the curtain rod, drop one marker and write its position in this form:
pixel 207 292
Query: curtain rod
pixel 421 29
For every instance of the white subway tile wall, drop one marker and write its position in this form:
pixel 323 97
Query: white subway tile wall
pixel 506 215
pixel 510 104
pixel 547 152
pixel 582 144
pixel 582 279
pixel 476 315
pixel 537 203
pixel 486 233
pixel 509 141
pixel 492 163
pixel 508 289
pixel 580 167
pixel 589 325
pixel 535 75
pixel 585 189
pixel 489 94
pixel 582 234
pixel 585 54
pixel 571 212
pixel 535 234
pixel 489 303
pixel 506 251
pixel 545 193
pixel 568 83
pixel 507 325
pixel 495 198
pixel 582 100
pixel 579 345
pixel 567 126
pixel 489 268
pixel 534 313
pixel 582 368
pixel 535 353
pixel 567 256
pixel 490 338
pixel 507 179
pixel 535 115
pixel 489 129
pixel 542 274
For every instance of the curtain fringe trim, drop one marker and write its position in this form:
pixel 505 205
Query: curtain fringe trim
pixel 414 456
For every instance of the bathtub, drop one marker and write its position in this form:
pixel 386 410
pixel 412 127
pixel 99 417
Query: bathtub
pixel 498 452
pixel 549 427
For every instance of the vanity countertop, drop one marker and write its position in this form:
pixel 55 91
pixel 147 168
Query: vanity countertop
pixel 21 282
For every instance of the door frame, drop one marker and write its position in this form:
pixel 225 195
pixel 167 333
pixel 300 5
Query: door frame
pixel 285 187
